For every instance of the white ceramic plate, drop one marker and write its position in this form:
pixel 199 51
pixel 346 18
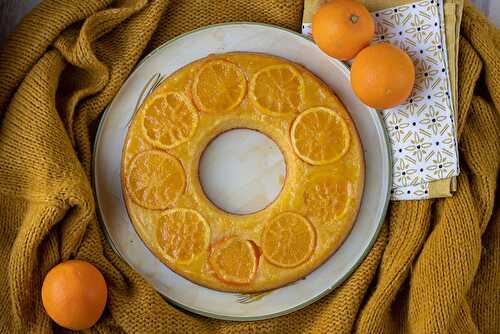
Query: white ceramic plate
pixel 107 155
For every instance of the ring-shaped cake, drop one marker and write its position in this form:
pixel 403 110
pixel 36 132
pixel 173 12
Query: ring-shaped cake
pixel 267 249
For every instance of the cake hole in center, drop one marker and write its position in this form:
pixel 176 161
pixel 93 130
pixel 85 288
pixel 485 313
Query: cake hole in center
pixel 242 171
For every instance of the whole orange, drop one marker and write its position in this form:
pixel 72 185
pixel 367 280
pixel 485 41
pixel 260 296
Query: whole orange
pixel 382 76
pixel 341 28
pixel 74 294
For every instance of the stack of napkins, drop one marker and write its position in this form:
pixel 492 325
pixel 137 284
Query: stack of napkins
pixel 422 130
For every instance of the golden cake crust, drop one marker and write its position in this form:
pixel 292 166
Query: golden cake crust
pixel 322 199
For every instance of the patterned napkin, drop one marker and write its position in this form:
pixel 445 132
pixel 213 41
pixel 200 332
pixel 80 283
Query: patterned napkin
pixel 421 130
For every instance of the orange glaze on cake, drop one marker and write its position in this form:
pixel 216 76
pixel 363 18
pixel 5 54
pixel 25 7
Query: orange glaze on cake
pixel 288 239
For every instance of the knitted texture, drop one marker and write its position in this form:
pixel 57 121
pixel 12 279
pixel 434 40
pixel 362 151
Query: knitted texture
pixel 433 269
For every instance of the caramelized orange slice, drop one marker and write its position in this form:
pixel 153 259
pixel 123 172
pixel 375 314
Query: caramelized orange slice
pixel 169 120
pixel 320 136
pixel 288 240
pixel 234 260
pixel 155 179
pixel 182 234
pixel 277 90
pixel 219 86
pixel 327 197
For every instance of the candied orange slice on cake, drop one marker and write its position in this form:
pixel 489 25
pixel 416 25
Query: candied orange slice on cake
pixel 234 260
pixel 182 234
pixel 320 136
pixel 218 86
pixel 277 90
pixel 288 240
pixel 169 120
pixel 327 197
pixel 155 179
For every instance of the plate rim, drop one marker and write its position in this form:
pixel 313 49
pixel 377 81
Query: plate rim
pixel 308 302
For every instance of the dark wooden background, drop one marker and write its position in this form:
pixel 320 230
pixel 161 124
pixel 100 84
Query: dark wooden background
pixel 11 12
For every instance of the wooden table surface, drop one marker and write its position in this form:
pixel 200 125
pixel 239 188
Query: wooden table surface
pixel 12 11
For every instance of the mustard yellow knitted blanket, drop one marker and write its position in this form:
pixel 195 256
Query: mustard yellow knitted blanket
pixel 434 269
